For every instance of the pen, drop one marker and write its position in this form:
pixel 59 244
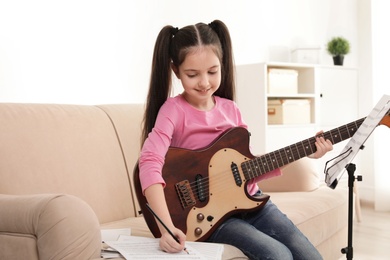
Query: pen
pixel 162 223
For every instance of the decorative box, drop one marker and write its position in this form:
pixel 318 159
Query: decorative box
pixel 288 111
pixel 310 55
pixel 282 81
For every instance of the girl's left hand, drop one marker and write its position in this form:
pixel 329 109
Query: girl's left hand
pixel 323 146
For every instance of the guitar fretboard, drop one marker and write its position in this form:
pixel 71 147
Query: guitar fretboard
pixel 276 159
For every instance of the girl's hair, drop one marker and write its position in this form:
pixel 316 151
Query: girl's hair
pixel 172 46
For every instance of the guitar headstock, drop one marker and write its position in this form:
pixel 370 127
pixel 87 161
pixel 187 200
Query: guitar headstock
pixel 386 119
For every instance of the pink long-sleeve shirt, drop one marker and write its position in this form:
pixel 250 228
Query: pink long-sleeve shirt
pixel 179 124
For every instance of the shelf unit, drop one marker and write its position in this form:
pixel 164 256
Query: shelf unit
pixel 332 91
pixel 306 87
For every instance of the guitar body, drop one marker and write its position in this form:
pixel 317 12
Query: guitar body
pixel 206 186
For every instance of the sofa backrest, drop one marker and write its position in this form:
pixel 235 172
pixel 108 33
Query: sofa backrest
pixel 86 151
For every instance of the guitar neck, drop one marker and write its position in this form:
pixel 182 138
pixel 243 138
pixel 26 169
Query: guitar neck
pixel 276 159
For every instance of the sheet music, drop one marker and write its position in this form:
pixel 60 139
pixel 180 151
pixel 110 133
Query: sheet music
pixel 134 247
pixel 114 234
pixel 209 250
pixel 357 140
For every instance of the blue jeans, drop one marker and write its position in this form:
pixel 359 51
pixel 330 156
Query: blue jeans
pixel 265 234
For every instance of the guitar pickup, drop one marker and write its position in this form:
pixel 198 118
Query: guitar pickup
pixel 185 194
pixel 201 190
pixel 236 174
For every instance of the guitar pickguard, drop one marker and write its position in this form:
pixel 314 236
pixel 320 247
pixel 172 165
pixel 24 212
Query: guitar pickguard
pixel 227 194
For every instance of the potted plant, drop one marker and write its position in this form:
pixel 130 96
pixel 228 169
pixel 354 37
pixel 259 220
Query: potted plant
pixel 338 47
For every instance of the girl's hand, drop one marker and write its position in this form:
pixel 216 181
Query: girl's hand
pixel 168 243
pixel 323 146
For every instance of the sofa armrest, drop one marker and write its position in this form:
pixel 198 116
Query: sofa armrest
pixel 61 226
pixel 300 175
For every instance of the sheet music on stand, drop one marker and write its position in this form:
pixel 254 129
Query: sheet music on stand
pixel 335 171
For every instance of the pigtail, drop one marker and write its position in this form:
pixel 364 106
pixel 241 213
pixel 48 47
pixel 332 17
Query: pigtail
pixel 160 79
pixel 227 89
pixel 172 46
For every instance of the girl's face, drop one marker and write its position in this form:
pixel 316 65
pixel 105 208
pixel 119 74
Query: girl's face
pixel 200 75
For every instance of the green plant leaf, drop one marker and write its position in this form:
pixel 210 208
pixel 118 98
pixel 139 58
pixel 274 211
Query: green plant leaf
pixel 338 46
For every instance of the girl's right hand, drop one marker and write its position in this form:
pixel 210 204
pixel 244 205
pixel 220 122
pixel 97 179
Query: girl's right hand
pixel 168 243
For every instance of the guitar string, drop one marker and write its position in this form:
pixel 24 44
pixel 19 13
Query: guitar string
pixel 343 132
pixel 205 180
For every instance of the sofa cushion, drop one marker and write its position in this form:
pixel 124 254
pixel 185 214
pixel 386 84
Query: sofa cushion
pixel 319 214
pixel 50 148
pixel 127 123
pixel 300 175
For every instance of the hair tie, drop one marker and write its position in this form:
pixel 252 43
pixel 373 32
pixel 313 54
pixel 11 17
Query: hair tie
pixel 174 30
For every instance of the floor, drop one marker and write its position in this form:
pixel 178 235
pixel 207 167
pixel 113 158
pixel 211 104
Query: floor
pixel 371 237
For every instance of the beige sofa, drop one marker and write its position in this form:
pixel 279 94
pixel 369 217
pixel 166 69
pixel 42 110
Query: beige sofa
pixel 66 172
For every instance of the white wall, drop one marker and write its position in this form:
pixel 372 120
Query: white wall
pixel 374 82
pixel 95 51
pixel 381 57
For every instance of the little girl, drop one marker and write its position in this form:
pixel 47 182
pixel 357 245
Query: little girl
pixel 201 57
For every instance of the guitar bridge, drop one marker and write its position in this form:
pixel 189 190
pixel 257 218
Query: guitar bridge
pixel 186 196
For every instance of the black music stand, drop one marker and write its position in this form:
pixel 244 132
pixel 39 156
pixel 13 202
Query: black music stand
pixel 343 161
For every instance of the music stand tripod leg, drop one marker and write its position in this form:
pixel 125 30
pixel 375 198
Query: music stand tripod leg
pixel 351 180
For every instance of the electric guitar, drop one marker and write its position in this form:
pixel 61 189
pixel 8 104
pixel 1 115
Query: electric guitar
pixel 206 186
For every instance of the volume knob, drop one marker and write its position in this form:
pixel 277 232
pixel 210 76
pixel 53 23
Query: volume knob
pixel 200 217
pixel 198 231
